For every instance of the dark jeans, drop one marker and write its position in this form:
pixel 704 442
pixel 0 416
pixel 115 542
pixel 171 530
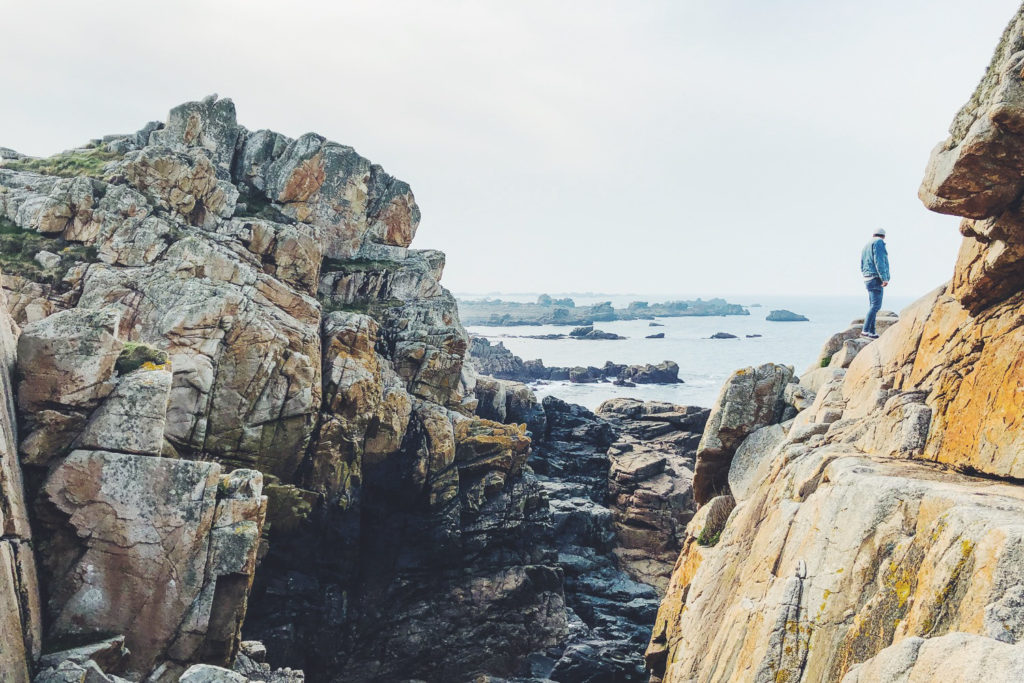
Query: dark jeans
pixel 875 304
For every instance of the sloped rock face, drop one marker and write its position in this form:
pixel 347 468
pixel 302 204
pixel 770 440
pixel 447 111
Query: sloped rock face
pixel 20 610
pixel 863 545
pixel 299 345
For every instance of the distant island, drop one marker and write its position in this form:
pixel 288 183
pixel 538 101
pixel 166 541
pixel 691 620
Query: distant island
pixel 549 311
pixel 784 316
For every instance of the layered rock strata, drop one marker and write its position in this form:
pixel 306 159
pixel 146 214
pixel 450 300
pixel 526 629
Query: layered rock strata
pixel 650 482
pixel 877 535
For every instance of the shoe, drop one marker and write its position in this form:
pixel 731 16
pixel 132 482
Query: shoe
pixel 869 335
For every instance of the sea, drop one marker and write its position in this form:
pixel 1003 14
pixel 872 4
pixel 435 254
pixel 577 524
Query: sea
pixel 704 363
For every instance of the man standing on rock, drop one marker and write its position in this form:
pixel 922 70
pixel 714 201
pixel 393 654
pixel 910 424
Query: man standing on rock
pixel 874 266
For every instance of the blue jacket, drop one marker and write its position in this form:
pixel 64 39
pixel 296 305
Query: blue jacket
pixel 874 260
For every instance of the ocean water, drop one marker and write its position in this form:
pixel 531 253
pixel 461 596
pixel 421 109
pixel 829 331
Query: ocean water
pixel 704 364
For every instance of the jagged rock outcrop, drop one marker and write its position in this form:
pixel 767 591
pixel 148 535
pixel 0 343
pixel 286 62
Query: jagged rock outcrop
pixel 161 550
pixel 750 399
pixel 650 482
pixel 877 536
pixel 609 612
pixel 292 346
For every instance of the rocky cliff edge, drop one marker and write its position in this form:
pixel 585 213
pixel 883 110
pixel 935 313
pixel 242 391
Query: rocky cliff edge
pixel 877 535
pixel 230 357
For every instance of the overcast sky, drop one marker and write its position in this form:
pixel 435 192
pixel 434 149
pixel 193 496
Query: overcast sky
pixel 684 147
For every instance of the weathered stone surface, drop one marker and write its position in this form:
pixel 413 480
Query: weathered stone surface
pixel 108 654
pixel 250 663
pixel 204 673
pixel 650 482
pixel 845 355
pixel 666 372
pixel 208 125
pixel 187 186
pixel 244 348
pixel 136 523
pixel 360 389
pixel 20 612
pixel 951 657
pixel 750 399
pixel 494 359
pixel 67 359
pixel 881 550
pixel 609 611
pixel 1004 618
pixel 976 172
pixel 329 185
pixel 898 553
pixel 753 460
pixel 73 672
pixel 132 418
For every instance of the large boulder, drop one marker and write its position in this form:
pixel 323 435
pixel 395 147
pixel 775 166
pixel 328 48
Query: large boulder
pixel 751 398
pixel 120 525
pixel 976 171
pixel 67 359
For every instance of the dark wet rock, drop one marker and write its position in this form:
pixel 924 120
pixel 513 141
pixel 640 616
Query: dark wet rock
pixel 589 332
pixel 666 372
pixel 722 335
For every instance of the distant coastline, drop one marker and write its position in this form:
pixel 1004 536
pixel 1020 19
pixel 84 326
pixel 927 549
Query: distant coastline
pixel 564 311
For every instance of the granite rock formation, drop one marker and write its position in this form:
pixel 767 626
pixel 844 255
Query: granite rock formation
pixel 618 483
pixel 650 482
pixel 876 536
pixel 237 373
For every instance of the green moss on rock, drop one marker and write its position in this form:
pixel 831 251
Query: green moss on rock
pixel 135 354
pixel 18 249
pixel 709 540
pixel 287 505
pixel 88 161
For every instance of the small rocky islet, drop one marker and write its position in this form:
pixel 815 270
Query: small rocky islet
pixel 245 437
pixel 783 315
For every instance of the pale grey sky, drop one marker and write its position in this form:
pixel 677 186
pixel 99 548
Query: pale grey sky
pixel 684 147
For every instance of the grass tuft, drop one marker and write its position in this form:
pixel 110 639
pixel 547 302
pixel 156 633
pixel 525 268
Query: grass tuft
pixel 77 162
